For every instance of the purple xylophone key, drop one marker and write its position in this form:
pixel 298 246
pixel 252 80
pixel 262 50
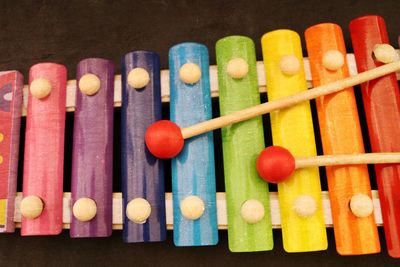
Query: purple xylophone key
pixel 92 161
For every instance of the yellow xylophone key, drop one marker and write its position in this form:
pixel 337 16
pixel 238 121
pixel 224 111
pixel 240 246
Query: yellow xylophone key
pixel 302 220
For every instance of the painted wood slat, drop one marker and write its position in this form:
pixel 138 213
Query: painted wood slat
pixel 92 154
pixel 11 83
pixel 292 128
pixel 44 150
pixel 142 173
pixel 341 134
pixel 241 144
pixel 193 170
pixel 381 98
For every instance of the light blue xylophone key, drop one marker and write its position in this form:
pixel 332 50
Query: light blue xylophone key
pixel 193 170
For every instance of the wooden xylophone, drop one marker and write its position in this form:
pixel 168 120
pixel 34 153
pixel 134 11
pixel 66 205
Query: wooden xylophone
pixel 194 209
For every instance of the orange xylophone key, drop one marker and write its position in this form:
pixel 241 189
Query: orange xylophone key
pixel 341 134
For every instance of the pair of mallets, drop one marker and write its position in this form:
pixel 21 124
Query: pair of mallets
pixel 165 139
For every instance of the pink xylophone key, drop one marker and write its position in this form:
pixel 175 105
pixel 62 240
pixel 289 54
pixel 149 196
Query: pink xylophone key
pixel 44 151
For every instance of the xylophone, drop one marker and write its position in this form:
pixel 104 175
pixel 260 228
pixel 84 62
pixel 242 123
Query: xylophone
pixel 195 210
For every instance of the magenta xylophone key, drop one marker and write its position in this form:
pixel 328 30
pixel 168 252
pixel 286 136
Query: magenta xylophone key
pixel 92 162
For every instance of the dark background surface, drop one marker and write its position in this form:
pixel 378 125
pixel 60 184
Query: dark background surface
pixel 66 32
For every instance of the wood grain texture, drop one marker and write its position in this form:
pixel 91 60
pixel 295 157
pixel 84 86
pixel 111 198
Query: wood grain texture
pixel 92 154
pixel 142 173
pixel 72 30
pixel 44 150
pixel 241 144
pixel 348 159
pixel 11 83
pixel 293 129
pixel 381 98
pixel 341 134
pixel 193 170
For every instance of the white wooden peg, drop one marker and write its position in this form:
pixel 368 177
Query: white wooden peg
pixel 192 207
pixel 40 88
pixel 84 209
pixel 138 78
pixel 190 73
pixel 252 211
pixel 138 210
pixel 237 68
pixel 305 206
pixel 31 207
pixel 89 84
pixel 333 60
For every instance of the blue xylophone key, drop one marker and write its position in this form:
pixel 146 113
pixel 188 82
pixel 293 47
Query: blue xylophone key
pixel 193 170
pixel 142 173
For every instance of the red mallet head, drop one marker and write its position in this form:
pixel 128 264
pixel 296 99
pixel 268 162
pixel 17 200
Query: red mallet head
pixel 164 139
pixel 275 164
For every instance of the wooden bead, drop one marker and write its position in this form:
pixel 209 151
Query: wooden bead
pixel 192 207
pixel 385 53
pixel 237 68
pixel 252 211
pixel 333 60
pixel 304 206
pixel 138 210
pixel 31 207
pixel 138 78
pixel 190 73
pixel 361 205
pixel 84 209
pixel 89 84
pixel 40 88
pixel 289 65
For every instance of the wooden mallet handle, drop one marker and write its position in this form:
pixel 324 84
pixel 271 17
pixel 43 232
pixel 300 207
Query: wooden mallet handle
pixel 275 164
pixel 348 159
pixel 267 107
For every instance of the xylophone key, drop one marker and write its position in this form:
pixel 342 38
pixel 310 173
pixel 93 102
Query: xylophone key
pixel 247 196
pixel 193 170
pixel 42 205
pixel 142 173
pixel 11 83
pixel 341 134
pixel 300 200
pixel 381 98
pixel 92 154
